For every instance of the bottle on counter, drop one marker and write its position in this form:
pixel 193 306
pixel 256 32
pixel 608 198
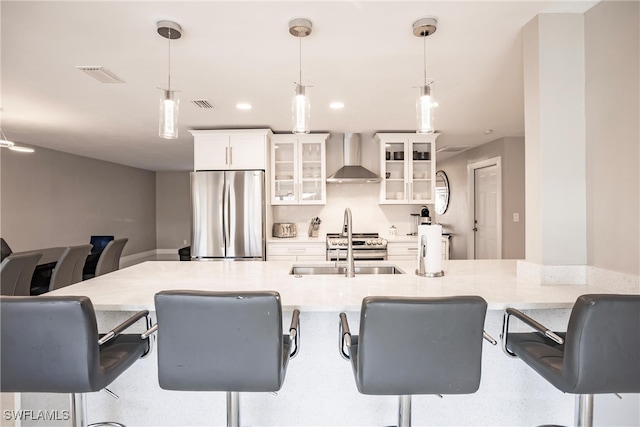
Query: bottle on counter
pixel 392 230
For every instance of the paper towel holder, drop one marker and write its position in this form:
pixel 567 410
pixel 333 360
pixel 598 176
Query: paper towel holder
pixel 425 274
pixel 421 270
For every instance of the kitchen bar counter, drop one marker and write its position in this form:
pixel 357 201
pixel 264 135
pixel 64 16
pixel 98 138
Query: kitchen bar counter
pixel 495 280
pixel 319 389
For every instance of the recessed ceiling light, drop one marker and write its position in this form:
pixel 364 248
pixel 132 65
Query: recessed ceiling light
pixel 488 131
pixel 336 105
pixel 243 106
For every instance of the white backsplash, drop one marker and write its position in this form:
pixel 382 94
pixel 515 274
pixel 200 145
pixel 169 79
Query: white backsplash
pixel 368 215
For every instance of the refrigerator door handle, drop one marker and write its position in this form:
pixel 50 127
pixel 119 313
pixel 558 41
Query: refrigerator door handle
pixel 226 222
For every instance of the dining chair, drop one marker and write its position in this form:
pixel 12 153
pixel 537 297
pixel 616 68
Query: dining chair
pixel 99 243
pixel 16 272
pixel 110 258
pixel 5 250
pixel 68 269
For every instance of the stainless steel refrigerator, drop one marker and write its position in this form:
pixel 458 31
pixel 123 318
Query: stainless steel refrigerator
pixel 228 215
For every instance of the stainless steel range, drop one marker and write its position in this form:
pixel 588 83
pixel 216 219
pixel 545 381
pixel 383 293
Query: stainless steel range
pixel 366 246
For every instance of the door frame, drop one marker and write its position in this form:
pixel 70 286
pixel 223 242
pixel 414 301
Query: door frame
pixel 471 168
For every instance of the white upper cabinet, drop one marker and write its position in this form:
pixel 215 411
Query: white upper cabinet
pixel 408 167
pixel 230 149
pixel 298 169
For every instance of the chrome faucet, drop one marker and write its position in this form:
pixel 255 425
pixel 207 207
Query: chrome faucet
pixel 351 270
pixel 421 256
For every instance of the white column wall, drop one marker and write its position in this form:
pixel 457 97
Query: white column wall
pixel 554 81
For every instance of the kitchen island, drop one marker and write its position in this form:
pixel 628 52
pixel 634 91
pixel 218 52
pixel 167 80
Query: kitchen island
pixel 319 388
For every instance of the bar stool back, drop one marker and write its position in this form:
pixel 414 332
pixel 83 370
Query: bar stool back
pixel 51 345
pixel 223 341
pixel 599 353
pixel 416 346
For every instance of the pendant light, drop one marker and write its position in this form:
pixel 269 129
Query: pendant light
pixel 5 143
pixel 425 104
pixel 169 102
pixel 300 106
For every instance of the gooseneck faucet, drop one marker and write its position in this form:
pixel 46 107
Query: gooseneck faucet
pixel 351 270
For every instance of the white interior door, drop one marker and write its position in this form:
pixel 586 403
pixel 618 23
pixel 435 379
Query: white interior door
pixel 484 193
pixel 486 212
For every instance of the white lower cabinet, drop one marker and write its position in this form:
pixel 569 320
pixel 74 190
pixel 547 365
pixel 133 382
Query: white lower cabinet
pixel 407 251
pixel 296 251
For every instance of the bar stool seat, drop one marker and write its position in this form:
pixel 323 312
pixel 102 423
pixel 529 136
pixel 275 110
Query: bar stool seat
pixel 223 341
pixel 599 353
pixel 52 345
pixel 412 346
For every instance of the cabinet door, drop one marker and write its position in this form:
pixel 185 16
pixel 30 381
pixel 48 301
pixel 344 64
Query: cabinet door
pixel 211 152
pixel 421 172
pixel 404 251
pixel 312 171
pixel 298 164
pixel 247 152
pixel 394 170
pixel 284 171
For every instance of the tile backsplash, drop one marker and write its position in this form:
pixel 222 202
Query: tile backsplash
pixel 368 215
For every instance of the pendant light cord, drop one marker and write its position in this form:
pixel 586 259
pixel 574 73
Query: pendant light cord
pixel 424 48
pixel 169 60
pixel 300 58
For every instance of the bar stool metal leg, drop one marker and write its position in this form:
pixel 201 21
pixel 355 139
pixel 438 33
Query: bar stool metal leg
pixel 404 412
pixel 78 410
pixel 584 410
pixel 233 409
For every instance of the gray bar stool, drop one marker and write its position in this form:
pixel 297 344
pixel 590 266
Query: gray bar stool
pixel 599 353
pixel 51 345
pixel 416 346
pixel 223 341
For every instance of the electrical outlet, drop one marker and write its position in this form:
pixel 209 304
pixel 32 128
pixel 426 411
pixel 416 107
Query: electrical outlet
pixel 184 242
pixel 516 217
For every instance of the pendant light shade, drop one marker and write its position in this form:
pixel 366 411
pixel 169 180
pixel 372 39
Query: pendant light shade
pixel 169 102
pixel 300 110
pixel 424 111
pixel 300 105
pixel 169 115
pixel 425 103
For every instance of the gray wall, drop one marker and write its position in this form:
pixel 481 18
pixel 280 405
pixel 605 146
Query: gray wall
pixel 50 198
pixel 173 210
pixel 455 220
pixel 612 39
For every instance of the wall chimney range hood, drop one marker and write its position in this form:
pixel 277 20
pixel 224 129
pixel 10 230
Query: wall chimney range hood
pixel 352 171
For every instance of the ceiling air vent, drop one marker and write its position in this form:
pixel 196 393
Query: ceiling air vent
pixel 452 149
pixel 202 103
pixel 100 73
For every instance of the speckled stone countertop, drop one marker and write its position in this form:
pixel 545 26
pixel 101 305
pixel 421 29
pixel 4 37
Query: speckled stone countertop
pixel 496 281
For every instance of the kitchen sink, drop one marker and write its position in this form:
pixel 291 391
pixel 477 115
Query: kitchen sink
pixel 305 270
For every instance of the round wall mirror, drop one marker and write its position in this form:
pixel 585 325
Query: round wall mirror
pixel 442 192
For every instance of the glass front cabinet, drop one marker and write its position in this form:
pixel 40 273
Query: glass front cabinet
pixel 408 168
pixel 298 169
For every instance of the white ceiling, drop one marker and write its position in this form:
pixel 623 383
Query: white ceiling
pixel 362 53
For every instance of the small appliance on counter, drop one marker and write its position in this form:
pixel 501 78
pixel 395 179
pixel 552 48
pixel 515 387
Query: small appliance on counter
pixel 284 229
pixel 425 218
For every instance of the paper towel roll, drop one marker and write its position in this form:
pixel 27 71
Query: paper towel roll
pixel 433 258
